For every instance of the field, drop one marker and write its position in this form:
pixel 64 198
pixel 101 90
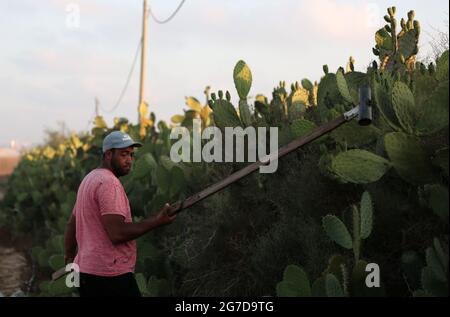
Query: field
pixel 360 202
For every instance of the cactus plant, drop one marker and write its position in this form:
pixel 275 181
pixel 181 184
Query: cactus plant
pixel 438 200
pixel 408 158
pixel 366 216
pixel 355 135
pixel 435 113
pixel 442 67
pixel 333 287
pixel 358 278
pixel 382 84
pixel 441 160
pixel 405 108
pixel 244 112
pixel 162 177
pixel 318 288
pixel 154 287
pixel 398 51
pixel 356 232
pixel 242 76
pixel 412 266
pixel 144 165
pixel 295 283
pixel 343 88
pixel 359 166
pixel 350 65
pixel 197 111
pixel 306 83
pixel 301 127
pixel 224 113
pixel 328 93
pixel 335 264
pixel 299 98
pixel 337 231
pixel 56 261
pixel 59 288
pixel 262 105
pixel 434 277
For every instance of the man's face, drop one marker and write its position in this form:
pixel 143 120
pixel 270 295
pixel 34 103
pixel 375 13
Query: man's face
pixel 122 160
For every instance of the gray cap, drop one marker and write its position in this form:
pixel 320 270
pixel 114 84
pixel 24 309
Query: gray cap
pixel 118 140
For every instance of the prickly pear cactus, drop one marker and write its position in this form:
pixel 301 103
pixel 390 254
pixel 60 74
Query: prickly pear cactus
pixel 382 85
pixel 328 93
pixel 438 200
pixel 359 166
pixel 354 135
pixel 144 165
pixel 434 277
pixel 442 67
pixel 366 216
pixel 398 51
pixel 405 107
pixel 333 287
pixel 343 87
pixel 335 265
pixel 337 231
pixel 295 283
pixel 224 113
pixel 301 127
pixel 244 112
pixel 435 113
pixel 441 159
pixel 242 76
pixel 242 79
pixel 197 111
pixel 408 158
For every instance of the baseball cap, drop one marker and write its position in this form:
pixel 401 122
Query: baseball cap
pixel 118 140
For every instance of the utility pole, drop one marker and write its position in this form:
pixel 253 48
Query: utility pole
pixel 143 57
pixel 97 103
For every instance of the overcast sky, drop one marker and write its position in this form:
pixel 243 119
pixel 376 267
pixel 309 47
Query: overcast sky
pixel 52 69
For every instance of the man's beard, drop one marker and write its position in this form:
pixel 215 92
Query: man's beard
pixel 118 171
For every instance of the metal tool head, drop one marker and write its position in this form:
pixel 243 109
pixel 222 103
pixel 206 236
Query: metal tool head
pixel 365 106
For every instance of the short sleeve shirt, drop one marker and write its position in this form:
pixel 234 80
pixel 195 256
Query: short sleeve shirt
pixel 101 193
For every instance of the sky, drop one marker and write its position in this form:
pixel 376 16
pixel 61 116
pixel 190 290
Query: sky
pixel 58 56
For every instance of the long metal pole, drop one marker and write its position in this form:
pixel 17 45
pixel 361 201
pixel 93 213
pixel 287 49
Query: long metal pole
pixel 288 148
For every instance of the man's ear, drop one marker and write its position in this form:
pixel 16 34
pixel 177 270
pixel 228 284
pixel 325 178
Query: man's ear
pixel 107 155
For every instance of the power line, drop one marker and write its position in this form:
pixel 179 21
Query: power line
pixel 90 121
pixel 170 17
pixel 124 89
pixel 94 115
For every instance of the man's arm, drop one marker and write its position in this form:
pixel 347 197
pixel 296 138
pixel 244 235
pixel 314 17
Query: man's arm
pixel 70 240
pixel 120 231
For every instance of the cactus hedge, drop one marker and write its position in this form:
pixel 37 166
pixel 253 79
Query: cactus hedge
pixel 358 195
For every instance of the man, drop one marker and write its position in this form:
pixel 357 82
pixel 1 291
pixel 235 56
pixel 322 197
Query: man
pixel 100 233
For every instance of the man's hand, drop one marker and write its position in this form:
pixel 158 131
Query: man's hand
pixel 164 216
pixel 120 231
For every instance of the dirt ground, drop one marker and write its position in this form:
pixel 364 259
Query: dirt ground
pixel 15 270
